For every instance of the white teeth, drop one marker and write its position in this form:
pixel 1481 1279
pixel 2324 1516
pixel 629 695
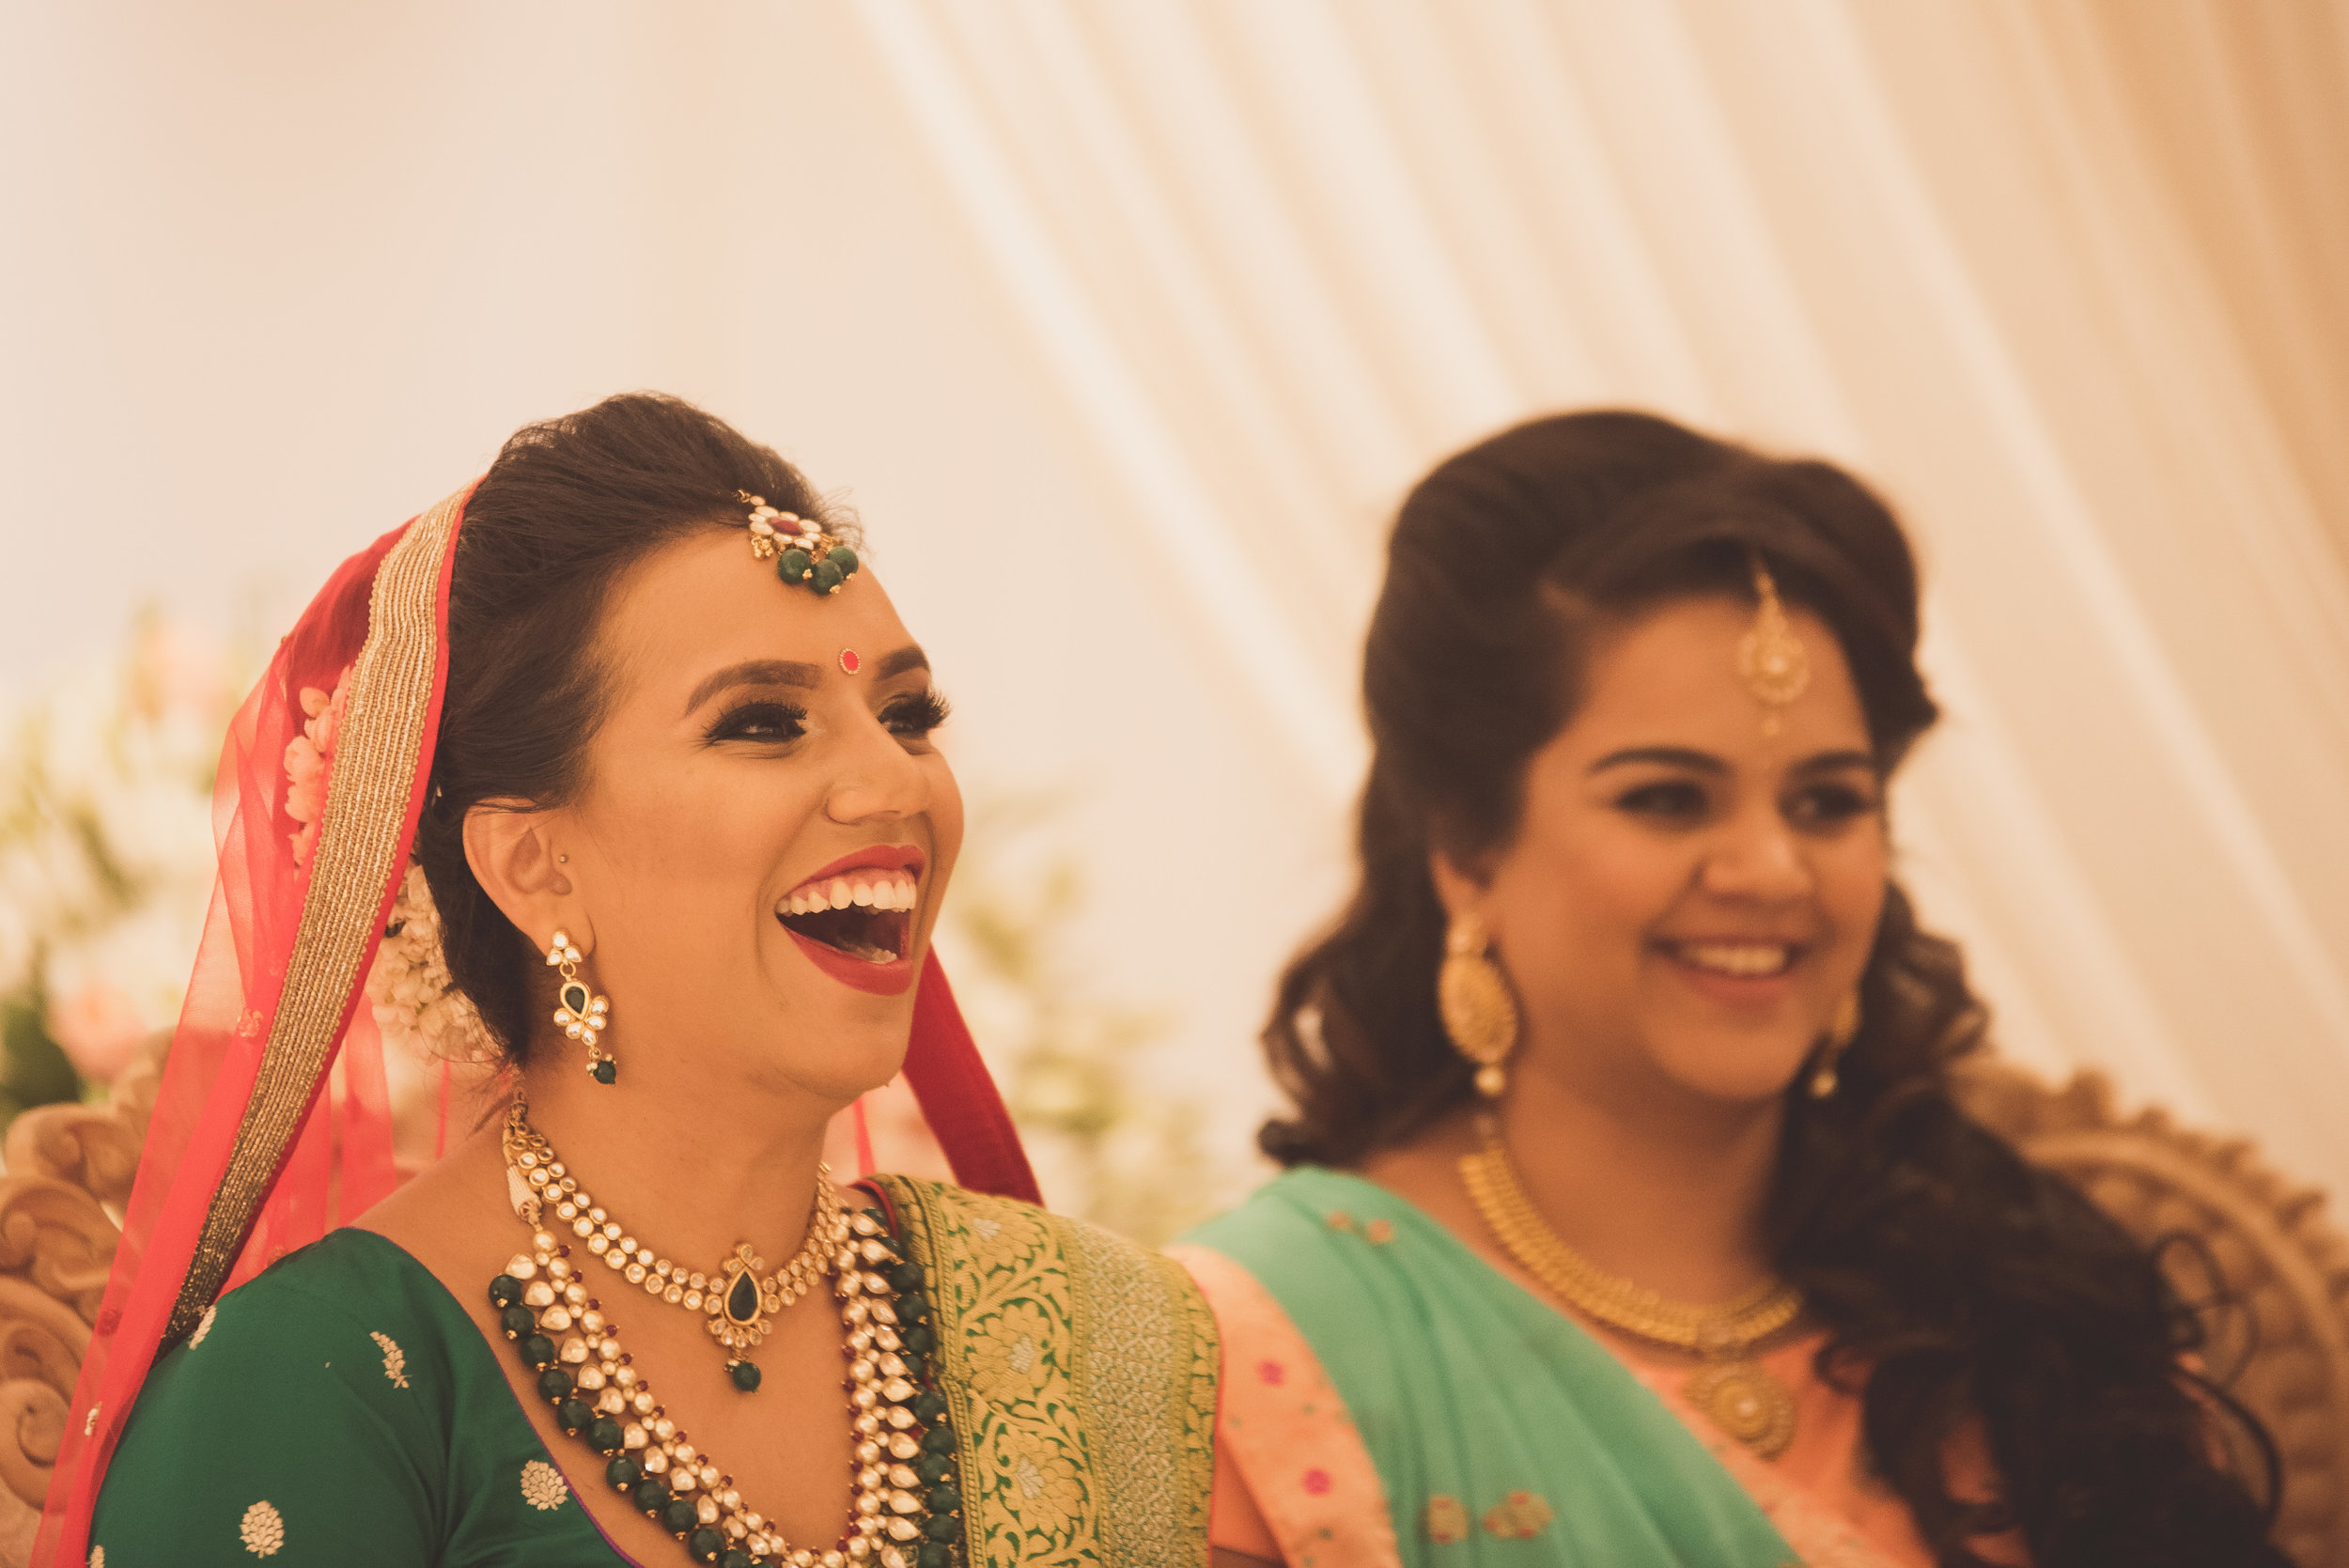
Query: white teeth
pixel 1743 959
pixel 897 893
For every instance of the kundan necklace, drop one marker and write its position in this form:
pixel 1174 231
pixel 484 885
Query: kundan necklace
pixel 735 1300
pixel 1735 1392
pixel 908 1502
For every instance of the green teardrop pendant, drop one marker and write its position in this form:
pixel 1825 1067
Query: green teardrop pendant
pixel 743 1298
pixel 574 998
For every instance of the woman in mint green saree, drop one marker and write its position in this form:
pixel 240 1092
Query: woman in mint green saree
pixel 1629 1220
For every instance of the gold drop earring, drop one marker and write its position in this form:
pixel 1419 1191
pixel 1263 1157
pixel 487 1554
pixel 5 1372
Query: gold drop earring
pixel 1840 1035
pixel 583 1013
pixel 1479 1012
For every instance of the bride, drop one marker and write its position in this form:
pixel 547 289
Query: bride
pixel 628 725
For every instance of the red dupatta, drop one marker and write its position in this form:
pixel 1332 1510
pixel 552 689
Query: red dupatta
pixel 272 1122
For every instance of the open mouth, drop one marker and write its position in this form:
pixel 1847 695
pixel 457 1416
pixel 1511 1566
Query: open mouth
pixel 864 913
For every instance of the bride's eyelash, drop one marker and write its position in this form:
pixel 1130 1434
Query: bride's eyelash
pixel 917 715
pixel 758 721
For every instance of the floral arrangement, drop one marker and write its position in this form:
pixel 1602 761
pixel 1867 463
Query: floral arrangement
pixel 106 858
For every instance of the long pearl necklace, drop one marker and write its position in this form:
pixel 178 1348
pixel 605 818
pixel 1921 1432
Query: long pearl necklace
pixel 907 1504
pixel 1735 1391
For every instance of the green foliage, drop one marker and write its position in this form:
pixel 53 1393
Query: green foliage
pixel 33 1067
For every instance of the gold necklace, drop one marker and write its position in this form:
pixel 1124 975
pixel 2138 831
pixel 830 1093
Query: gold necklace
pixel 735 1300
pixel 907 1496
pixel 1735 1391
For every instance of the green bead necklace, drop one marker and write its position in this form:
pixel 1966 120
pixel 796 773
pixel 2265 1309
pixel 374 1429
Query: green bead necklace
pixel 908 1505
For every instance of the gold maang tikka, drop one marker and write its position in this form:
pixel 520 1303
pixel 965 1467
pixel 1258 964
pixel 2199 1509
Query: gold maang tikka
pixel 1771 659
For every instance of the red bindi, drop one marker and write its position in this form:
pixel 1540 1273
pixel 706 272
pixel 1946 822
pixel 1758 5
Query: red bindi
pixel 848 660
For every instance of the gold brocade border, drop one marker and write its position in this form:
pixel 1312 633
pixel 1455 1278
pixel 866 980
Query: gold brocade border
pixel 1145 1370
pixel 1080 1373
pixel 992 1260
pixel 366 809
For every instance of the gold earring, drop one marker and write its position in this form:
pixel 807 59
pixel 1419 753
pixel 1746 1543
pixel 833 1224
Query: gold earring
pixel 583 1013
pixel 1840 1035
pixel 1479 1013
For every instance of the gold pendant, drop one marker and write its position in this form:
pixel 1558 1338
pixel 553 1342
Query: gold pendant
pixel 1741 1398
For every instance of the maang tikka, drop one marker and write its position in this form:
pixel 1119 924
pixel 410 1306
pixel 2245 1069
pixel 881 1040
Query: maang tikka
pixel 1771 659
pixel 802 552
pixel 583 1015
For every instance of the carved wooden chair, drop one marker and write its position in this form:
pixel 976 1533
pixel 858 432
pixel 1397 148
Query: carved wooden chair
pixel 2279 1322
pixel 68 1174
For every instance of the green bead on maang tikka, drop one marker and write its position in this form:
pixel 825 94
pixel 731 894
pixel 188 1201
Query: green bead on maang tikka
pixel 802 552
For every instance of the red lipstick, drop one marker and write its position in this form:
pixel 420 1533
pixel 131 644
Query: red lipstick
pixel 887 980
pixel 891 977
pixel 877 857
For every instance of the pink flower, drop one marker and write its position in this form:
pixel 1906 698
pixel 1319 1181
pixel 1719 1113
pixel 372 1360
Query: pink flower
pixel 99 1029
pixel 1272 1372
pixel 1317 1481
pixel 309 762
pixel 176 667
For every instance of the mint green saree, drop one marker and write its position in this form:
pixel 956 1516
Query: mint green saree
pixel 1501 1432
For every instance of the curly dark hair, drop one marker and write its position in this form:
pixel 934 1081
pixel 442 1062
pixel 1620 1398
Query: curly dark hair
pixel 1957 1282
pixel 569 506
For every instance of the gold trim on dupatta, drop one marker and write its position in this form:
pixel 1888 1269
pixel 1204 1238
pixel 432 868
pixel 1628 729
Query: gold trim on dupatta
pixel 359 838
pixel 1078 1371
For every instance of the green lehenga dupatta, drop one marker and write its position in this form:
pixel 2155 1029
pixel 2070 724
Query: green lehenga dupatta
pixel 1502 1432
pixel 1080 1377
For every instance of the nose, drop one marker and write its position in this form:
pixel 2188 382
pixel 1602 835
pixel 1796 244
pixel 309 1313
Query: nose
pixel 877 780
pixel 1757 857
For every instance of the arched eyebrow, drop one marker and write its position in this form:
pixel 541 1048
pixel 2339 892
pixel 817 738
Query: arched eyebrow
pixel 1663 756
pixel 1705 762
pixel 911 656
pixel 753 671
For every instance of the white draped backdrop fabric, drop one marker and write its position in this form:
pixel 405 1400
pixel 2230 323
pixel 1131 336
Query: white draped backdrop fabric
pixel 1128 320
pixel 1283 253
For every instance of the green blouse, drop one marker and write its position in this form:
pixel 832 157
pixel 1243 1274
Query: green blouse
pixel 342 1409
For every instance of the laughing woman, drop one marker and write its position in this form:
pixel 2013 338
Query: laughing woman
pixel 1629 1219
pixel 628 728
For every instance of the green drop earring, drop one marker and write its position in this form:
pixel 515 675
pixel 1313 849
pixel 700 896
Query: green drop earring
pixel 583 1015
